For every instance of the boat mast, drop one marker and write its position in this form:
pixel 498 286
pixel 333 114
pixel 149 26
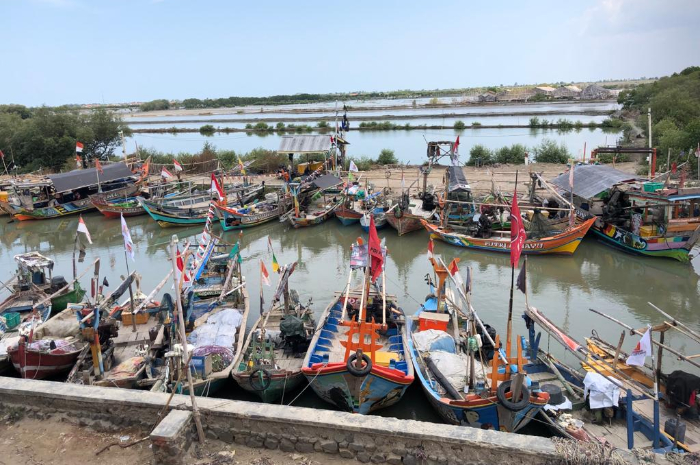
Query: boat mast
pixel 509 330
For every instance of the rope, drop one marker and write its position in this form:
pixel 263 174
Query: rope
pixel 305 388
pixel 284 388
pixel 587 453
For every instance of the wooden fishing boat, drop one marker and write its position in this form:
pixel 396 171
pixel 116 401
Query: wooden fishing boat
pixel 564 243
pixel 318 208
pixel 359 357
pixel 249 216
pixel 635 216
pixel 271 361
pixel 19 313
pixel 118 208
pixel 407 215
pixel 193 210
pixel 379 216
pixel 50 349
pixel 466 383
pixel 71 192
pixel 316 213
pixel 36 270
pixel 347 214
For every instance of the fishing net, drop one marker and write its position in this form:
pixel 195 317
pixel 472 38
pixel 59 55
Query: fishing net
pixel 539 226
pixel 587 453
pixel 292 326
pixel 221 357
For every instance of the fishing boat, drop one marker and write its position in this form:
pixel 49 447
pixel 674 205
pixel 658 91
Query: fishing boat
pixel 465 376
pixel 563 243
pixel 635 216
pixel 377 214
pixel 19 313
pixel 406 216
pixel 194 209
pixel 271 361
pixel 322 202
pixel 130 206
pixel 37 271
pixel 317 212
pixel 359 358
pixel 68 193
pixel 50 349
pixel 257 213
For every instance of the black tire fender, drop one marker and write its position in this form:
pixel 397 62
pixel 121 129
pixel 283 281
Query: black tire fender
pixel 510 405
pixel 398 213
pixel 359 372
pixel 255 381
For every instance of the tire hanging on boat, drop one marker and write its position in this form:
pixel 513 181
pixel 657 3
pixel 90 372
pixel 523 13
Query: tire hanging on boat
pixel 260 383
pixel 359 372
pixel 510 405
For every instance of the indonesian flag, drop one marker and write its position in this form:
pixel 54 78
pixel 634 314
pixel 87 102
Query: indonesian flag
pixel 83 229
pixel 98 166
pixel 177 165
pixel 78 161
pixel 455 146
pixel 517 231
pixel 216 187
pixel 128 244
pixel 642 351
pixel 353 166
pixel 182 275
pixel 79 147
pixel 165 174
pixel 375 250
pixel 431 247
pixel 264 274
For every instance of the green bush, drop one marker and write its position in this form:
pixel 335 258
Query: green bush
pixel 280 126
pixel 322 125
pixel 261 126
pixel 387 157
pixel 459 125
pixel 480 156
pixel 249 126
pixel 534 122
pixel 476 124
pixel 608 158
pixel 363 163
pixel 613 123
pixel 207 130
pixel 549 152
pixel 515 154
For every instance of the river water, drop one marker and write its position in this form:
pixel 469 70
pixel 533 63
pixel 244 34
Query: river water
pixel 564 288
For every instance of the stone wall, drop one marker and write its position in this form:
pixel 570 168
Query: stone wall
pixel 290 429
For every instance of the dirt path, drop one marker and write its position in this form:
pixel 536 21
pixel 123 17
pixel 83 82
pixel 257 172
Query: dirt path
pixel 53 442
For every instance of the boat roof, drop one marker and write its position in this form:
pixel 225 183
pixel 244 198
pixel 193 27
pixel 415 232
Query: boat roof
pixel 76 179
pixel 33 260
pixel 306 143
pixel 326 181
pixel 458 182
pixel 591 180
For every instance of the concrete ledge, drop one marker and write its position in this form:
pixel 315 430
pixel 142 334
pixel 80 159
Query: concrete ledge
pixel 366 438
pixel 170 440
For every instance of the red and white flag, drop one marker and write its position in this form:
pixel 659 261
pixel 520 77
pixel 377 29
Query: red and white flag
pixel 454 272
pixel 375 251
pixel 182 274
pixel 517 231
pixel 98 166
pixel 177 165
pixel 431 247
pixel 79 147
pixel 128 244
pixel 455 146
pixel 642 350
pixel 83 229
pixel 264 274
pixel 165 174
pixel 78 161
pixel 216 187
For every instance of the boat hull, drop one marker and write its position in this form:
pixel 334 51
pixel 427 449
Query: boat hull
pixel 347 217
pixel 231 222
pixel 31 364
pixel 407 223
pixel 58 304
pixel 279 383
pixel 299 222
pixel 675 247
pixel 564 243
pixel 116 211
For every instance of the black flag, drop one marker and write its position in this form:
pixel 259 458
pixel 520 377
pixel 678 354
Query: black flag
pixel 105 283
pixel 522 278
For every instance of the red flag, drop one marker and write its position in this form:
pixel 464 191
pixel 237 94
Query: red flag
pixel 430 249
pixel 264 274
pixel 517 231
pixel 181 269
pixel 2 155
pixel 456 145
pixel 78 160
pixel 98 166
pixel 216 188
pixel 375 250
pixel 79 146
pixel 165 174
pixel 452 268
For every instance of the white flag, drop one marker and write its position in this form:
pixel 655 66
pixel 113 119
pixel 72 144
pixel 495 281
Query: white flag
pixel 353 166
pixel 83 229
pixel 128 244
pixel 642 351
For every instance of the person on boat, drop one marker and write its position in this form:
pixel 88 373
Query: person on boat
pixel 54 201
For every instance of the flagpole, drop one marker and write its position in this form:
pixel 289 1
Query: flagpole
pixel 655 443
pixel 131 292
pixel 261 289
pixel 509 330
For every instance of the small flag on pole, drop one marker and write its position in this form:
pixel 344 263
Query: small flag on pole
pixel 241 166
pixel 182 275
pixel 269 244
pixel 454 272
pixel 264 274
pixel 83 229
pixel 430 249
pixel 79 147
pixel 128 244
pixel 353 166
pixel 98 166
pixel 521 284
pixel 216 187
pixel 177 165
pixel 78 161
pixel 375 251
pixel 642 350
pixel 275 265
pixel 165 174
pixel 517 231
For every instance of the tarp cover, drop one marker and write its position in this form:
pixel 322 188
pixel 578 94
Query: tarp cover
pixel 591 180
pixel 76 179
pixel 308 143
pixel 326 181
pixel 458 182
pixel 292 326
pixel 219 330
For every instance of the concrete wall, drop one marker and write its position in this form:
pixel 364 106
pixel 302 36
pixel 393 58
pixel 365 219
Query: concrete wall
pixel 366 438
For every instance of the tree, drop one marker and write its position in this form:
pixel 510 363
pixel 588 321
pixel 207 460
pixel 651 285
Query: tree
pixel 459 125
pixel 100 132
pixel 549 152
pixel 155 105
pixel 387 157
pixel 480 156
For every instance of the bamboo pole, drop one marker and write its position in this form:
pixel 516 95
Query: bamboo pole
pixel 183 339
pixel 634 331
pixel 690 333
pixel 383 298
pixel 153 293
pixel 501 205
pixel 551 189
pixel 347 294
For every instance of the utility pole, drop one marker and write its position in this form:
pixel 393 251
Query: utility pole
pixel 650 155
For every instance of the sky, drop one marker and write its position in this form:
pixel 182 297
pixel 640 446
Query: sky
pixel 57 52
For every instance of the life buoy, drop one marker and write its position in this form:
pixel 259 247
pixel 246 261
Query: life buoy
pixel 260 382
pixel 509 404
pixel 364 371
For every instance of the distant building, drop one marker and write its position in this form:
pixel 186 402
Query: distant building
pixel 595 92
pixel 544 90
pixel 567 92
pixel 489 96
pixel 519 94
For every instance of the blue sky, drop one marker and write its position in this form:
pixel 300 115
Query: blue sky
pixel 82 51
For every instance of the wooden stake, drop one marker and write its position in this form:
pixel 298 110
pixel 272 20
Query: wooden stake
pixel 617 350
